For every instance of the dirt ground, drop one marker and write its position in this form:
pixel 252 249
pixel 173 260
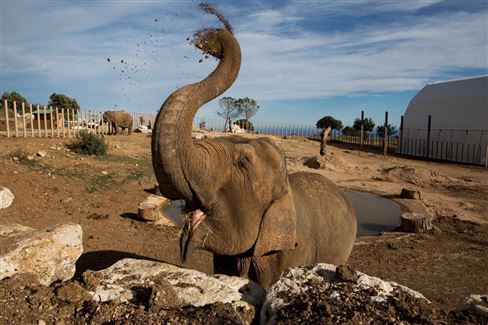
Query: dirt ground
pixel 102 194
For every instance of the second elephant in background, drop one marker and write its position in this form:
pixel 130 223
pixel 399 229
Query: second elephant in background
pixel 119 119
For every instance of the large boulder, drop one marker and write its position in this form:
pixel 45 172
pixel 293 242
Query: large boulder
pixel 49 254
pixel 324 294
pixel 6 197
pixel 130 280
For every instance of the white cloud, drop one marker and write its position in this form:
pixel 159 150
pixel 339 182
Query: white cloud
pixel 397 57
pixel 66 46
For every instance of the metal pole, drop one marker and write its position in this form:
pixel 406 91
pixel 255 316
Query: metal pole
pixel 428 135
pixel 486 156
pixel 385 137
pixel 362 129
pixel 400 136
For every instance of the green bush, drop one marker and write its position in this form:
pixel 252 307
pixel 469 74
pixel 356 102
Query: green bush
pixel 90 144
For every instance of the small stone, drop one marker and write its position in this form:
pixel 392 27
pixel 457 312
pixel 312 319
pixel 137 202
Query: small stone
pixel 73 293
pixel 104 172
pixel 41 153
pixel 151 209
pixel 15 158
pixel 392 246
pixel 41 322
pixel 345 273
pixel 410 194
pixel 6 197
pixel 30 157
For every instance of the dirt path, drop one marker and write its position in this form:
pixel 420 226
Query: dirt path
pixel 102 194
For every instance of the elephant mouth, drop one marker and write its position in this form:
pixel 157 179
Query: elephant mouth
pixel 192 221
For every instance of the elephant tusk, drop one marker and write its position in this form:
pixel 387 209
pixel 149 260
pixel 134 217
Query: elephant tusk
pixel 197 217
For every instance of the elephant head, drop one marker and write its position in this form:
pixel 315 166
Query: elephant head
pixel 236 188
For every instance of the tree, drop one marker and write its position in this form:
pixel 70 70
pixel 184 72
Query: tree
pixel 229 110
pixel 350 131
pixel 248 107
pixel 329 121
pixel 380 130
pixel 63 101
pixel 367 123
pixel 11 97
pixel 245 124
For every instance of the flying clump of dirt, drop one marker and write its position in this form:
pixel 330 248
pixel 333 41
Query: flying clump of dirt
pixel 208 8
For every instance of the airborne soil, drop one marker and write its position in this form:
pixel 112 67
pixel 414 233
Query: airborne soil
pixel 102 194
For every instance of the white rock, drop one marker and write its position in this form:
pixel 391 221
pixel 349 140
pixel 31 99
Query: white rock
pixel 50 254
pixel 6 197
pixel 297 280
pixel 143 129
pixel 104 172
pixel 151 209
pixel 477 303
pixel 41 153
pixel 192 287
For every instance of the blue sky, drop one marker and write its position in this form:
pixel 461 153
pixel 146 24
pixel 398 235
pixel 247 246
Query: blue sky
pixel 301 59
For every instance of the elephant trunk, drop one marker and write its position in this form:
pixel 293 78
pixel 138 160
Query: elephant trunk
pixel 177 160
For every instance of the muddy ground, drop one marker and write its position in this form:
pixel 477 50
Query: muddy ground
pixel 102 194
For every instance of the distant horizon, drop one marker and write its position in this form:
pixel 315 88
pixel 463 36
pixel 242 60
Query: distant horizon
pixel 301 60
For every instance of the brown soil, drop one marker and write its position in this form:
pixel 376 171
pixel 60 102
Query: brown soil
pixel 342 302
pixel 66 187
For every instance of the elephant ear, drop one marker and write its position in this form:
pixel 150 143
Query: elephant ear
pixel 278 227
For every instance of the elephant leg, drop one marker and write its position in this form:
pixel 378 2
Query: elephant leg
pixel 129 130
pixel 116 127
pixel 230 265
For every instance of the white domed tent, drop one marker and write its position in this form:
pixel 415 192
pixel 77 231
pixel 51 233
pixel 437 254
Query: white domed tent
pixel 459 121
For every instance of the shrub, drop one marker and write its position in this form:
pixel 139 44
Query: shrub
pixel 90 144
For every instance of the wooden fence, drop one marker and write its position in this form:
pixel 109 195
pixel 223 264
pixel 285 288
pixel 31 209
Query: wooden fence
pixel 27 120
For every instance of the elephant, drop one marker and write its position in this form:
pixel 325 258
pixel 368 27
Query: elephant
pixel 120 119
pixel 242 205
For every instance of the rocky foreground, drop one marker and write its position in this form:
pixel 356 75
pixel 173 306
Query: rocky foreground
pixel 37 288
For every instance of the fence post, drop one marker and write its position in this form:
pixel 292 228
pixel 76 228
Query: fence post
pixel 64 130
pixel 5 104
pixel 32 120
pixel 78 120
pixel 73 122
pixel 385 136
pixel 400 137
pixel 38 108
pixel 52 121
pixel 45 120
pixel 429 120
pixel 23 119
pixel 57 121
pixel 15 120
